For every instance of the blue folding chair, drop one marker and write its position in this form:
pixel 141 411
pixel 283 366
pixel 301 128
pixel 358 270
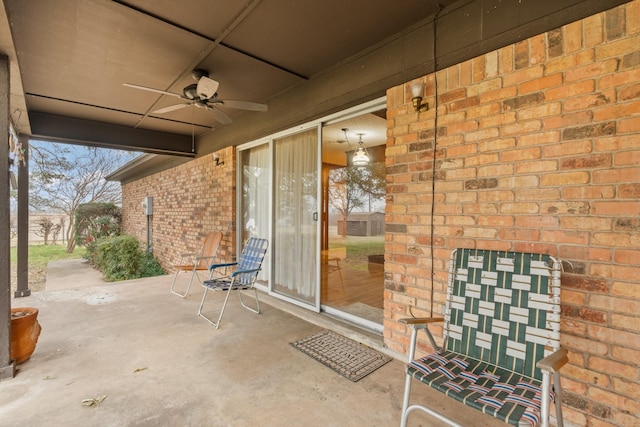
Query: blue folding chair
pixel 243 278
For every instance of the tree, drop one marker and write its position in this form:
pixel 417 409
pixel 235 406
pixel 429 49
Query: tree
pixel 350 187
pixel 63 177
pixel 46 229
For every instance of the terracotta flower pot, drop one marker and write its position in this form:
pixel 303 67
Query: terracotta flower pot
pixel 25 331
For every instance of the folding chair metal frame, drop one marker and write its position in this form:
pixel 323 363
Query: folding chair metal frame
pixel 200 261
pixel 243 278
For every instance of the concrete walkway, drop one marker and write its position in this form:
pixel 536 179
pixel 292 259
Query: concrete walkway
pixel 156 363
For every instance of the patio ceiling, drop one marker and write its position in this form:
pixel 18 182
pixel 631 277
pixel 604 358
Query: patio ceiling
pixel 75 55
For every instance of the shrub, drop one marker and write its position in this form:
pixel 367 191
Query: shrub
pixel 120 258
pixel 149 266
pixel 96 220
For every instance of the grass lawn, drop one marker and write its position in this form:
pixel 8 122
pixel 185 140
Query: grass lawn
pixel 357 249
pixel 39 257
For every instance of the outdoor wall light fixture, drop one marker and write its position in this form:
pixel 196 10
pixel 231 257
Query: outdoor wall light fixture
pixel 219 162
pixel 417 89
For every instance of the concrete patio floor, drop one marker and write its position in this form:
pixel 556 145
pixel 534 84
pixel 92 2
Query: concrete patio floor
pixel 157 363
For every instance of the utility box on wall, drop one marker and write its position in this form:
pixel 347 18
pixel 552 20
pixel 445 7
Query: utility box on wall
pixel 147 205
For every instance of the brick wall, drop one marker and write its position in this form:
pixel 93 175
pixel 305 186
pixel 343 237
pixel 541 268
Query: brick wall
pixel 536 148
pixel 189 201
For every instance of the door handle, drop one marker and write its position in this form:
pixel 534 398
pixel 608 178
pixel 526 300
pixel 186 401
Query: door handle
pixel 315 216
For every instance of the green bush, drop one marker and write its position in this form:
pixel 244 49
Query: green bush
pixel 96 220
pixel 120 258
pixel 149 266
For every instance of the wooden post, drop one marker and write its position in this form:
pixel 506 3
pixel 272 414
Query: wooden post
pixel 23 223
pixel 7 367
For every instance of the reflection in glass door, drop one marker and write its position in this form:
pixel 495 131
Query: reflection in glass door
pixel 295 227
pixel 353 220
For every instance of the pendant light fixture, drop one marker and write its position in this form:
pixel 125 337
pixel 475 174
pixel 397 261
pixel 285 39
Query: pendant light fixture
pixel 360 157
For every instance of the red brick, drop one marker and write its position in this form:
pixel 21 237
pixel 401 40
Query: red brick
pixel 627 323
pixel 498 94
pixel 585 346
pixel 629 125
pixel 593 30
pixel 617 176
pixel 633 17
pixel 546 82
pixel 621 306
pixel 522 154
pixel 629 290
pixel 591 192
pixel 478 73
pixel 570 90
pixel 537 49
pixel 596 69
pixel 570 61
pixel 587 223
pixel 565 178
pixel 575 298
pixel 622 370
pixel 612 112
pixel 608 398
pixel 497 144
pixel 541 111
pixel 588 101
pixel 621 78
pixel 627 256
pixel 625 355
pixel 572 37
pixel 521 127
pixel 617 48
pixel 616 143
pixel 505 60
pixel 629 92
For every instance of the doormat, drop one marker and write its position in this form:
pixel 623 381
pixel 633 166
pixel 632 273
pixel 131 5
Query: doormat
pixel 350 359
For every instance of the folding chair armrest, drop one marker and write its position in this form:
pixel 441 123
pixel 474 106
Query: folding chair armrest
pixel 238 272
pixel 188 254
pixel 554 361
pixel 418 323
pixel 226 264
pixel 420 320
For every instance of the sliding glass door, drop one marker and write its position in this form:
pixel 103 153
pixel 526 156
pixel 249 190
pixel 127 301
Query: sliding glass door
pixel 323 215
pixel 295 217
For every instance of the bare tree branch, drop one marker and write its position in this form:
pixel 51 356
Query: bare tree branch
pixel 63 178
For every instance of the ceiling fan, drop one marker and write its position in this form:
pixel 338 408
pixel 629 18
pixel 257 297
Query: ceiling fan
pixel 203 95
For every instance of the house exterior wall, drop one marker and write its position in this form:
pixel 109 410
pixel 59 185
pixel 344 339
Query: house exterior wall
pixel 189 201
pixel 536 148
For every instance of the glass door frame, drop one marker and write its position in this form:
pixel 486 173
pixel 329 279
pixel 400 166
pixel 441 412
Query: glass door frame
pixel 364 108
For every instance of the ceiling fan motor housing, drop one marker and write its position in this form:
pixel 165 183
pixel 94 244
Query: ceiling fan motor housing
pixel 191 91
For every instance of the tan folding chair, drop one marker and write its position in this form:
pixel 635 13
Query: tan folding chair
pixel 195 262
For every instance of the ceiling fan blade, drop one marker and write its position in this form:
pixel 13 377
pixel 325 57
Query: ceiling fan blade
pixel 171 108
pixel 219 115
pixel 243 105
pixel 150 89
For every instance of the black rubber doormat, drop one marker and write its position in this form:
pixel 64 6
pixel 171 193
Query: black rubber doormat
pixel 350 359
